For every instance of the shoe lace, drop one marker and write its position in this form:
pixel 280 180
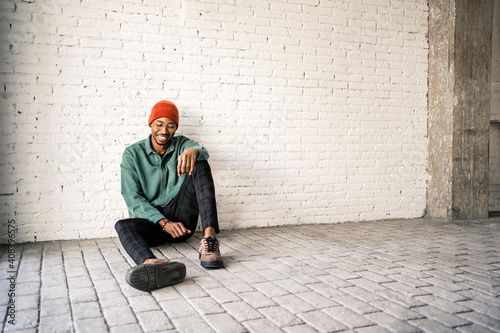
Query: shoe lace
pixel 210 244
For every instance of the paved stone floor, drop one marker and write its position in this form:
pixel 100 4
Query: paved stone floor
pixel 385 276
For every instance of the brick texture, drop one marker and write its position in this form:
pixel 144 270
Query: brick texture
pixel 313 111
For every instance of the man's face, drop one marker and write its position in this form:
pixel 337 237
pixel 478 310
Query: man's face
pixel 163 130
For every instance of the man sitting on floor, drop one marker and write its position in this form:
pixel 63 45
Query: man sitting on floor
pixel 166 182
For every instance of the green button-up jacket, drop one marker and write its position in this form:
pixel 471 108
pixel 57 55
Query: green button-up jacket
pixel 149 180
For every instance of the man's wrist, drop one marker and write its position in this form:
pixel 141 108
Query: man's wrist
pixel 196 152
pixel 162 222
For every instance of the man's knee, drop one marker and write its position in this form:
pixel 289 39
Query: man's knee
pixel 124 224
pixel 119 225
pixel 202 167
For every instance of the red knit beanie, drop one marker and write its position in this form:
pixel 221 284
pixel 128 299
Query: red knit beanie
pixel 164 109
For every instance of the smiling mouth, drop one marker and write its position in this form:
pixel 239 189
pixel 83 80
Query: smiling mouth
pixel 162 139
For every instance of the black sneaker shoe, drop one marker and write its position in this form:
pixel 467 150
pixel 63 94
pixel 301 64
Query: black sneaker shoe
pixel 149 277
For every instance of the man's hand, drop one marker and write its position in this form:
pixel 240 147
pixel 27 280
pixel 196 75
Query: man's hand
pixel 186 161
pixel 175 229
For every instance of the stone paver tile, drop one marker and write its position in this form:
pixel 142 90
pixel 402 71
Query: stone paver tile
pixel 241 311
pixel 177 308
pixel 451 275
pixel 441 316
pixel 280 316
pixel 24 289
pixel 304 328
pixel 154 321
pixel 86 310
pixel 270 289
pixel 271 274
pixel 362 294
pixel 391 323
pixel 375 277
pixel 368 285
pixel 348 317
pixel 482 320
pixel 282 268
pixel 261 325
pixel 252 264
pixel 443 304
pixel 304 278
pixel 397 310
pixel 165 294
pixel 341 273
pixel 75 271
pixel 90 325
pixel 446 294
pixel 224 323
pixel 205 305
pixel 59 323
pixel 408 271
pixel 207 282
pixel 293 304
pixel 82 295
pixel 431 326
pixel 251 277
pixel 450 286
pixel 54 307
pixel 474 328
pixel 189 289
pixel 325 290
pixel 485 278
pixel 407 289
pixel 480 307
pixel 488 289
pixel 54 292
pixel 372 329
pixel 410 280
pixel 103 274
pixel 27 277
pixel 321 321
pixel 119 315
pixel 402 299
pixel 49 272
pixel 334 281
pixel 256 299
pixel 481 297
pixel 293 286
pixel 143 303
pixel 317 300
pixel 237 286
pixel 386 271
pixel 103 286
pixel 110 299
pixel 23 320
pixel 191 324
pixel 355 304
pixel 79 282
pixel 310 270
pixel 223 295
pixel 129 328
pixel 26 302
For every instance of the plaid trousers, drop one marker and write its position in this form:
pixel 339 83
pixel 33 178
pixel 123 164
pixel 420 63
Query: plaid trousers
pixel 196 197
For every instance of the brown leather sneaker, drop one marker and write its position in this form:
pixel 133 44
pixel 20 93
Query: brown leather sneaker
pixel 209 253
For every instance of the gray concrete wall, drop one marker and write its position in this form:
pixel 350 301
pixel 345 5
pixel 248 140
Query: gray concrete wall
pixel 459 108
pixel 440 107
pixel 494 174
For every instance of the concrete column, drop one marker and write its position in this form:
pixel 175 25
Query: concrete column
pixel 459 106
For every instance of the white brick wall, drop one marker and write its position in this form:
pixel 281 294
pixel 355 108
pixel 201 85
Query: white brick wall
pixel 313 111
